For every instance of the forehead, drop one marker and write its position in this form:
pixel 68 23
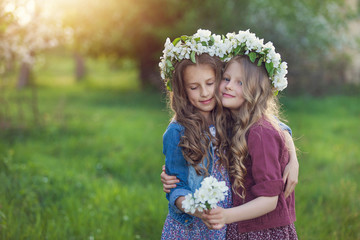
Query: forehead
pixel 234 67
pixel 198 73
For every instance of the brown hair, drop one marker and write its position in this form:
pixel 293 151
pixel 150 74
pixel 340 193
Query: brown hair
pixel 196 140
pixel 232 128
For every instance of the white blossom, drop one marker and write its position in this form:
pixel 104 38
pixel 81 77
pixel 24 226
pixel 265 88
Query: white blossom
pixel 203 34
pixel 188 204
pixel 207 196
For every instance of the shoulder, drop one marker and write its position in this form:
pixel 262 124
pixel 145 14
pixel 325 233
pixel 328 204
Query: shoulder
pixel 263 130
pixel 173 132
pixel 264 140
pixel 173 128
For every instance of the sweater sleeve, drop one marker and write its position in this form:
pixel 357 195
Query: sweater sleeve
pixel 175 164
pixel 265 149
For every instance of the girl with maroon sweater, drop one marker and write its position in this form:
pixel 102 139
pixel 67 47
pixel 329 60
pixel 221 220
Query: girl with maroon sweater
pixel 253 149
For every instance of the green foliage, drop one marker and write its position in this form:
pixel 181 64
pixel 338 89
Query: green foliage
pixel 97 173
pixel 92 169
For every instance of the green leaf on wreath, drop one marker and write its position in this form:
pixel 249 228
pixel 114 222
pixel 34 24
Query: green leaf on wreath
pixel 184 38
pixel 176 40
pixel 271 73
pixel 252 56
pixel 192 57
pixel 237 50
pixel 168 63
pixel 260 61
pixel 204 43
pixel 212 41
pixel 168 85
pixel 269 67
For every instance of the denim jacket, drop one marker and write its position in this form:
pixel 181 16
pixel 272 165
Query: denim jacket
pixel 176 165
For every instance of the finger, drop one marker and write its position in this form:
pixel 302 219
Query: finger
pixel 288 190
pixel 214 221
pixel 171 182
pixel 208 225
pixel 166 190
pixel 214 211
pixel 285 176
pixel 290 187
pixel 163 168
pixel 217 226
pixel 168 177
pixel 169 186
pixel 213 218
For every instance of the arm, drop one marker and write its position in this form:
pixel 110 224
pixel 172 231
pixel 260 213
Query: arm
pixel 175 164
pixel 168 182
pixel 218 217
pixel 291 171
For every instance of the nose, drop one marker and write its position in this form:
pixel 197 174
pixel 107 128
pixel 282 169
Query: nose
pixel 228 85
pixel 205 91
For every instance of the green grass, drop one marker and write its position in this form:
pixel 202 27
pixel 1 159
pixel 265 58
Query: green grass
pixel 91 169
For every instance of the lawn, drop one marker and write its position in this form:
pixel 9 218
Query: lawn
pixel 90 169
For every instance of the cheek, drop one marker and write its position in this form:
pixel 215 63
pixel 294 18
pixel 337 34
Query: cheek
pixel 239 91
pixel 212 89
pixel 191 96
pixel 221 86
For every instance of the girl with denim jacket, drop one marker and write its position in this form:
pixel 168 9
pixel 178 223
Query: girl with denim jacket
pixel 188 145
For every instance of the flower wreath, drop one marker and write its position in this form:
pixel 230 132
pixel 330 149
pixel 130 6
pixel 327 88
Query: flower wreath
pixel 242 43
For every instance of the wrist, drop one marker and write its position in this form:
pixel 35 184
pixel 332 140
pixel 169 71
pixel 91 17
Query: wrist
pixel 227 216
pixel 294 160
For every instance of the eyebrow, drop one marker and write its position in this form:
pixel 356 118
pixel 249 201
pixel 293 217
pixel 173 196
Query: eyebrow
pixel 209 79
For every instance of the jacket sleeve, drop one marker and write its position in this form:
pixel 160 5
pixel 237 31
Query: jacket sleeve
pixel 265 149
pixel 175 164
pixel 285 127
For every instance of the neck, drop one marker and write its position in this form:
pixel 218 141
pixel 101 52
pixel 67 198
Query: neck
pixel 207 117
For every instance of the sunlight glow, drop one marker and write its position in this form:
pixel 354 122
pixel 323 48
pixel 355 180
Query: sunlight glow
pixel 26 10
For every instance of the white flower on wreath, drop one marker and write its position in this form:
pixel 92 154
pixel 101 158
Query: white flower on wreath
pixel 204 35
pixel 280 83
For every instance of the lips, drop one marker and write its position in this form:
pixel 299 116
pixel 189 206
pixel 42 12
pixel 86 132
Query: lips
pixel 226 95
pixel 207 101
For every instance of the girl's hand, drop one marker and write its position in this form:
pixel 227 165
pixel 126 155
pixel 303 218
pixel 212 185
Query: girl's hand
pixel 290 177
pixel 215 218
pixel 168 181
pixel 291 171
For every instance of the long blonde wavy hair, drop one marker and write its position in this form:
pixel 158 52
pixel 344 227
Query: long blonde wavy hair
pixel 196 140
pixel 232 127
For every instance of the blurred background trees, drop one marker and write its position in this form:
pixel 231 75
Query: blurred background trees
pixel 313 37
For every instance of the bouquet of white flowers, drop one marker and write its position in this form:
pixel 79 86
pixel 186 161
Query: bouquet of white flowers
pixel 207 196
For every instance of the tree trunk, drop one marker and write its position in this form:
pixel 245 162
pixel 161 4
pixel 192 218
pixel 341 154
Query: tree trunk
pixel 80 69
pixel 24 76
pixel 149 74
pixel 149 64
